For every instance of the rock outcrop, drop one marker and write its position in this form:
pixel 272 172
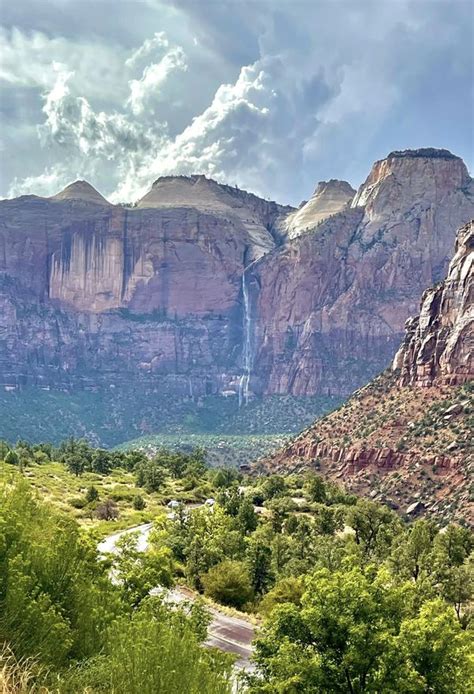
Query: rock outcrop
pixel 407 437
pixel 331 305
pixel 329 198
pixel 439 343
pixel 94 295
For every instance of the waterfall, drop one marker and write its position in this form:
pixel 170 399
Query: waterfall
pixel 247 346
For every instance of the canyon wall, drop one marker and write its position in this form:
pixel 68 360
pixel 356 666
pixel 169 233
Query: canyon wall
pixel 407 437
pixel 94 295
pixel 332 303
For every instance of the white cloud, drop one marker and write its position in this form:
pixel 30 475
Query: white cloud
pixel 145 91
pixel 271 97
pixel 51 181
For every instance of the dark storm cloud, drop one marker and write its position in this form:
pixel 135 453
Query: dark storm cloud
pixel 270 95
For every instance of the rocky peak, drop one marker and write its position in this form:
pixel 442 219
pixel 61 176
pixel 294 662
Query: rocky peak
pixel 438 345
pixel 329 198
pixel 261 218
pixel 426 174
pixel 81 190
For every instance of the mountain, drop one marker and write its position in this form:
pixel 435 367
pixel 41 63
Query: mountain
pixel 199 292
pixel 330 306
pixel 406 438
pixel 329 198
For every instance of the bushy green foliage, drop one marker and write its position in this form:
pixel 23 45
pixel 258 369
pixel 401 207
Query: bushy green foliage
pixel 358 630
pixel 86 633
pixel 55 597
pixel 228 583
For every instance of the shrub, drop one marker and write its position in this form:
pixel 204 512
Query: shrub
pixel 139 503
pixel 107 510
pixel 228 583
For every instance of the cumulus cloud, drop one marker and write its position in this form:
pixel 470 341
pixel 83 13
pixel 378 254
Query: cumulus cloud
pixel 271 97
pixel 149 87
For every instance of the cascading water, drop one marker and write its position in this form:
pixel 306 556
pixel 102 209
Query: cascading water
pixel 247 347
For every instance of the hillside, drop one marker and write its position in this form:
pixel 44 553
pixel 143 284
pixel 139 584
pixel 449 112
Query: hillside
pixel 406 438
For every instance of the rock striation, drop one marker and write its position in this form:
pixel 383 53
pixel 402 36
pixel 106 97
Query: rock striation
pixel 407 436
pixel 332 304
pixel 439 343
pixel 198 290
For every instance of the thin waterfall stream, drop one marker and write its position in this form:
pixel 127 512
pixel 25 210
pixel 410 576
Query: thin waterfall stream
pixel 248 342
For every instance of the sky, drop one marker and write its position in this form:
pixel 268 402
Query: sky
pixel 269 95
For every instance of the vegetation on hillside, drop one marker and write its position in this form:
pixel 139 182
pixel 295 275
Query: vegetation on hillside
pixel 112 417
pixel 352 599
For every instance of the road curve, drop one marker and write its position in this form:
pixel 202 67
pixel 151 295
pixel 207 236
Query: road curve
pixel 229 634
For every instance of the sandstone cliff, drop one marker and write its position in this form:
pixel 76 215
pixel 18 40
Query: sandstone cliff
pixel 155 297
pixel 331 305
pixel 439 344
pixel 329 198
pixel 407 437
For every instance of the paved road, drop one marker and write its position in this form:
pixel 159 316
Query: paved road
pixel 230 634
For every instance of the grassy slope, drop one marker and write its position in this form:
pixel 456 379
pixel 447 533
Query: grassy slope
pixel 222 449
pixel 55 484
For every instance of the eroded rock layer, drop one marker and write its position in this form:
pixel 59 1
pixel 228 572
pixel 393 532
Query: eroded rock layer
pixel 406 438
pixel 93 295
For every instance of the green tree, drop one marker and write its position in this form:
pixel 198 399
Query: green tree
pixel 316 489
pixel 138 572
pixel 92 495
pixel 75 464
pixel 101 462
pixel 374 525
pixel 287 590
pixel 228 583
pixel 139 503
pixel 12 458
pixel 247 519
pixel 259 562
pixel 150 475
pixel 438 652
pixel 274 485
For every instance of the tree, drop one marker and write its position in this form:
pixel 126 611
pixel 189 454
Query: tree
pixel 75 464
pixel 316 489
pixel 273 486
pixel 411 555
pixel 225 477
pixel 247 519
pixel 139 503
pixel 328 520
pixel 375 526
pixel 228 583
pixel 92 495
pixel 138 572
pixel 12 458
pixel 287 590
pixel 437 651
pixel 338 640
pixel 280 507
pixel 107 510
pixel 101 462
pixel 259 562
pixel 4 449
pixel 150 475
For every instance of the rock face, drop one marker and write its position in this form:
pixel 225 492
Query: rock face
pixel 332 304
pixel 94 295
pixel 407 437
pixel 329 198
pixel 439 344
